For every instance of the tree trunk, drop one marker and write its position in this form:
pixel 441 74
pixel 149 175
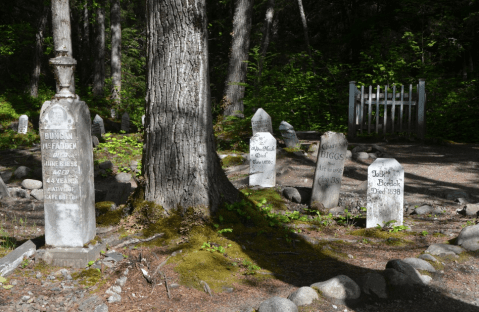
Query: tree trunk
pixel 86 48
pixel 305 27
pixel 115 16
pixel 180 164
pixel 37 57
pixel 233 95
pixel 99 70
pixel 268 22
pixel 62 37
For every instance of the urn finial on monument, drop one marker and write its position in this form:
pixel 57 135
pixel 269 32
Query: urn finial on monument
pixel 63 67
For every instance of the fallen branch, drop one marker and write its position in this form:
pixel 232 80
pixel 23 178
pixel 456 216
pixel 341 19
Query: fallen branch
pixel 137 240
pixel 206 287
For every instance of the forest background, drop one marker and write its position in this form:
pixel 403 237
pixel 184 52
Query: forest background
pixel 370 42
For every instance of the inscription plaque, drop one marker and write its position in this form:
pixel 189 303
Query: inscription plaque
pixel 262 160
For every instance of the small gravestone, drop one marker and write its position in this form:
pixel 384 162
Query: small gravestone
pixel 329 169
pixel 385 192
pixel 143 120
pixel 113 113
pixel 98 127
pixel 125 122
pixel 262 160
pixel 261 122
pixel 23 124
pixel 289 135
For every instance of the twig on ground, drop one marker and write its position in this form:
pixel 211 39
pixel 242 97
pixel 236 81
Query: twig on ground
pixel 137 240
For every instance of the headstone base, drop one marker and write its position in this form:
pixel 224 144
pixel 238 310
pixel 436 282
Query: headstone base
pixel 70 257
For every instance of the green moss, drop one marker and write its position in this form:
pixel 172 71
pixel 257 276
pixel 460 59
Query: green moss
pixel 292 149
pixel 89 277
pixel 376 233
pixel 271 195
pixel 230 161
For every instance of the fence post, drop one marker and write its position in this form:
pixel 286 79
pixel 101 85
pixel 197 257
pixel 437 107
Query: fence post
pixel 352 110
pixel 421 110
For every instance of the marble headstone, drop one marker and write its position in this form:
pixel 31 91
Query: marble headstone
pixel 262 160
pixel 125 122
pixel 67 164
pixel 98 127
pixel 329 169
pixel 113 113
pixel 23 124
pixel 261 122
pixel 385 192
pixel 288 134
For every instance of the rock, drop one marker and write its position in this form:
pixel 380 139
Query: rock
pixel 13 259
pixel 277 304
pixel 423 210
pixel 304 296
pixel 471 209
pixel 21 172
pixel 462 201
pixel 469 238
pixel 377 148
pixel 115 256
pixel 427 257
pixel 133 165
pixel 456 194
pixel 426 279
pixel 420 264
pixel 95 141
pixel 405 268
pixel 90 303
pixel 313 148
pixel 373 155
pixel 101 308
pixel 106 165
pixel 32 184
pixel 399 283
pixel 292 194
pixel 361 148
pixel 339 289
pixel 362 187
pixel 349 154
pixel 361 155
pixel 123 177
pixel 18 192
pixel 114 298
pixel 4 192
pixel 444 249
pixel 121 281
pixel 374 284
pixel 6 175
pixel 337 210
pixel 113 290
pixel 438 211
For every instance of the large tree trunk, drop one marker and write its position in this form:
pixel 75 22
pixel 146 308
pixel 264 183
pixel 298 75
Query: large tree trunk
pixel 62 37
pixel 115 17
pixel 99 69
pixel 86 47
pixel 268 23
pixel 180 164
pixel 233 95
pixel 37 57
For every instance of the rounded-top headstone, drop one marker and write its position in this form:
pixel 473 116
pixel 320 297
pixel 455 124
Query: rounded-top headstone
pixel 262 160
pixel 261 122
pixel 385 197
pixel 23 124
pixel 98 127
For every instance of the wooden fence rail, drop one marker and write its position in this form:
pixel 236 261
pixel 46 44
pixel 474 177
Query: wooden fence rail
pixel 390 109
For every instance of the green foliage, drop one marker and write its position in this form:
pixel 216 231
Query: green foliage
pixel 120 150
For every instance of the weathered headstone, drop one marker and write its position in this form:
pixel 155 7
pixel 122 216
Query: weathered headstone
pixel 23 124
pixel 288 134
pixel 262 160
pixel 143 120
pixel 329 170
pixel 385 192
pixel 113 113
pixel 125 122
pixel 67 161
pixel 261 122
pixel 98 127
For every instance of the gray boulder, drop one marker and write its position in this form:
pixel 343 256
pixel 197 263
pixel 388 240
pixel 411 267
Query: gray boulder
pixel 443 249
pixel 362 148
pixel 37 194
pixel 405 268
pixel 30 184
pixel 420 264
pixel 6 175
pixel 304 296
pixel 423 210
pixel 361 155
pixel 133 165
pixel 277 304
pixel 398 284
pixel 373 155
pixel 18 192
pixel 123 177
pixel 471 210
pixel 101 308
pixel 349 154
pixel 21 172
pixel 106 165
pixel 378 148
pixel 374 284
pixel 469 238
pixel 427 257
pixel 292 194
pixel 3 190
pixel 114 298
pixel 339 289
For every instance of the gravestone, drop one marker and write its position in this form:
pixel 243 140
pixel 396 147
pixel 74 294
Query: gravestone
pixel 67 162
pixel 125 122
pixel 98 127
pixel 288 134
pixel 261 122
pixel 143 120
pixel 385 192
pixel 23 124
pixel 262 160
pixel 113 113
pixel 329 170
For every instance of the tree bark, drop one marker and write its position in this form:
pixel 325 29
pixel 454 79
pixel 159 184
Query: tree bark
pixel 180 164
pixel 86 47
pixel 37 57
pixel 305 27
pixel 62 37
pixel 115 20
pixel 233 95
pixel 99 69
pixel 268 22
